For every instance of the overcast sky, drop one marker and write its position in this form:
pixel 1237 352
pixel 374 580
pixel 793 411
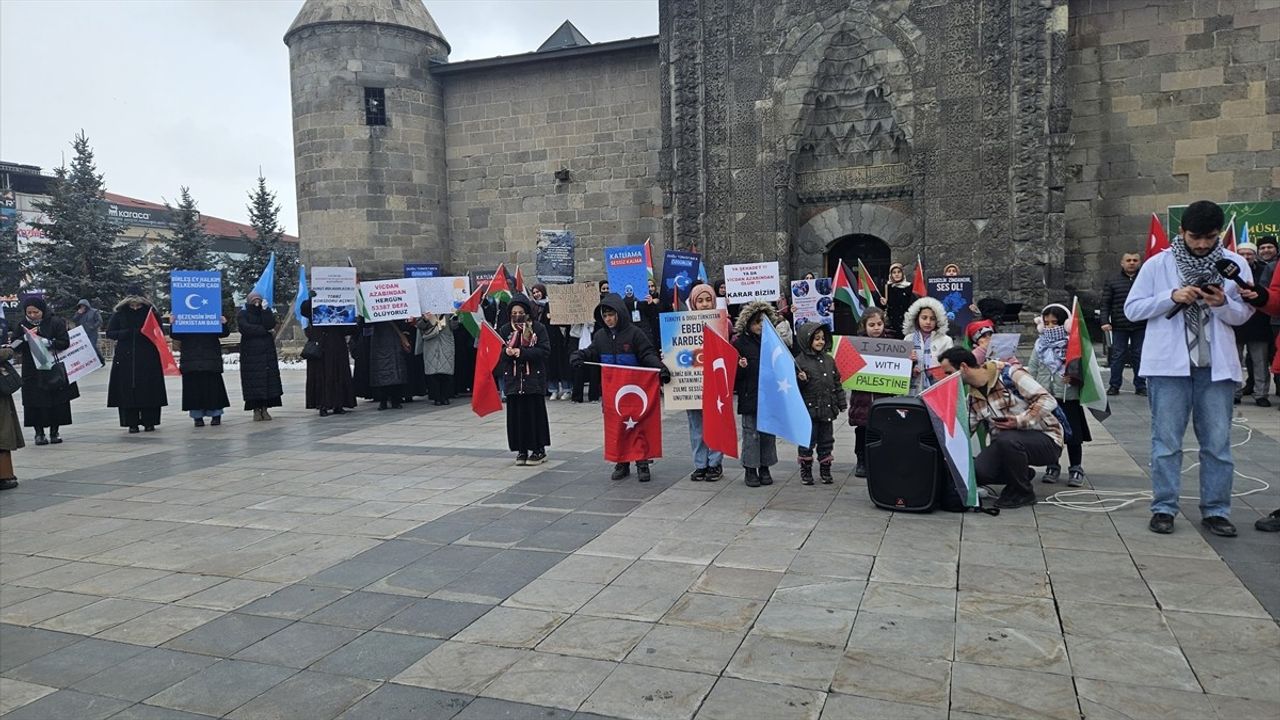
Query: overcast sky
pixel 196 93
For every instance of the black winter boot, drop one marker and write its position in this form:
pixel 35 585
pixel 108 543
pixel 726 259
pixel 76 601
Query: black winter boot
pixel 642 471
pixel 824 471
pixel 765 477
pixel 806 472
pixel 752 478
pixel 620 470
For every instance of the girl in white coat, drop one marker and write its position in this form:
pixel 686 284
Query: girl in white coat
pixel 925 327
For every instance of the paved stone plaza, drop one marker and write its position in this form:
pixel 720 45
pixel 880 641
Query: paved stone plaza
pixel 388 565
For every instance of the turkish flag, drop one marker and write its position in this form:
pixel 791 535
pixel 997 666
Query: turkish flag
pixel 632 413
pixel 918 287
pixel 1157 240
pixel 719 368
pixel 484 389
pixel 151 329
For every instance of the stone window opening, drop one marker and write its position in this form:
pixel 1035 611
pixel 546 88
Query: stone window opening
pixel 375 106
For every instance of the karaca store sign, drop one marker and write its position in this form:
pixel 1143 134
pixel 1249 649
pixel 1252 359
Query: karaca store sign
pixel 136 216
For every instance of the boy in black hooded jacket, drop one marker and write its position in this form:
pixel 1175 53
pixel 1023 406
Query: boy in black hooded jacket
pixel 619 342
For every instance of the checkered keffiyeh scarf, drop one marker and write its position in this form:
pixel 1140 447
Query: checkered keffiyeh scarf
pixel 1196 270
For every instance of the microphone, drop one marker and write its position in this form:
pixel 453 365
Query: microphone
pixel 1231 271
pixel 1201 281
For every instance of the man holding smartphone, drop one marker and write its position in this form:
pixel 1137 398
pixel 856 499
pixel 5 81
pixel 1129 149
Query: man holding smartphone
pixel 1189 360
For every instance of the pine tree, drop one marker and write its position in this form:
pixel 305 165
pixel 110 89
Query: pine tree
pixel 264 218
pixel 83 255
pixel 13 266
pixel 186 247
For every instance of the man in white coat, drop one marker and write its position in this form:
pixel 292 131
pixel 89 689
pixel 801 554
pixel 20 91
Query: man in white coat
pixel 1189 360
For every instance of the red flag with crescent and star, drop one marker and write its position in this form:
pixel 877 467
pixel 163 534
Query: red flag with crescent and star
pixel 151 331
pixel 719 370
pixel 632 413
pixel 484 388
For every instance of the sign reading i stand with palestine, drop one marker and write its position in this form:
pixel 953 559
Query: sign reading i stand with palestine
pixel 197 300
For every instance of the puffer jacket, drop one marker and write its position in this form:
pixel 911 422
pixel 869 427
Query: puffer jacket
pixel 527 374
pixel 625 344
pixel 820 386
pixel 747 383
pixel 939 341
pixel 1114 292
pixel 435 345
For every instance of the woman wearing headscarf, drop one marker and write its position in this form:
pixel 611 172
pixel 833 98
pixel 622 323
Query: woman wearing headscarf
pixel 136 388
pixel 523 369
pixel 897 298
pixel 559 374
pixel 10 428
pixel 388 363
pixel 435 348
pixel 43 405
pixel 204 394
pixel 329 387
pixel 259 364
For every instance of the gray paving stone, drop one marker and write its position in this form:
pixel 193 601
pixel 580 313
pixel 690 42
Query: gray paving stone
pixel 360 610
pixel 376 655
pixel 397 552
pixel 637 691
pixel 903 635
pixel 1116 622
pixel 493 709
pixel 227 635
pixel 1012 647
pixel 144 675
pixel 553 595
pixel 1236 674
pixel 352 574
pixel 306 696
pixel 737 582
pixel 460 667
pixel 67 704
pixel 69 665
pixel 16 693
pixel 1133 662
pixel 772 660
pixel 435 618
pixel 806 623
pixel 151 712
pixel 598 638
pixel 511 627
pixel 631 603
pixel 911 600
pixel 713 612
pixel 221 687
pixel 298 645
pixel 294 602
pixel 24 644
pixel 894 678
pixel 1021 612
pixel 1012 693
pixel 851 707
pixel 1108 700
pixel 416 580
pixel 587 569
pixel 686 648
pixel 733 699
pixel 401 702
pixel 482 587
pixel 551 680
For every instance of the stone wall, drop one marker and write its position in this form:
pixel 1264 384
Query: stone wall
pixel 511 127
pixel 1173 102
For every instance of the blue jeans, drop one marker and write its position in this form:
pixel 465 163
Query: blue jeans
pixel 1126 346
pixel 703 456
pixel 197 414
pixel 1174 400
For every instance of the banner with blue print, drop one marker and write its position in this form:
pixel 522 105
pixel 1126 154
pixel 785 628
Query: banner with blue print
pixel 626 271
pixel 679 273
pixel 196 300
pixel 421 270
pixel 682 354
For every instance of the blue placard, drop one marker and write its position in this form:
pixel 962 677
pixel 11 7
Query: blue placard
pixel 196 300
pixel 956 296
pixel 625 269
pixel 421 270
pixel 679 272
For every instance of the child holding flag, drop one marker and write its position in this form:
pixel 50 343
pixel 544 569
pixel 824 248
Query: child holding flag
pixel 823 398
pixel 707 463
pixel 759 450
pixel 1049 367
pixel 873 325
pixel 925 326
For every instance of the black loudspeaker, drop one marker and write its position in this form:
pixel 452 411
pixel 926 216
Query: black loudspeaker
pixel 904 462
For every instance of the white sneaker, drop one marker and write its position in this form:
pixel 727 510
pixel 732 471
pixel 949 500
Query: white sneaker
pixel 984 493
pixel 566 395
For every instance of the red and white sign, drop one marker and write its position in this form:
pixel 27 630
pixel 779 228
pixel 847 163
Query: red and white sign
pixel 746 282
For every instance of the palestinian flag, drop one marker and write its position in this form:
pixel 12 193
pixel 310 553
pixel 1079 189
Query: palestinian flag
pixel 1157 238
pixel 470 314
pixel 1093 391
pixel 1229 236
pixel 918 287
pixel 848 360
pixel 519 280
pixel 648 259
pixel 844 291
pixel 41 355
pixel 498 287
pixel 948 404
pixel 867 289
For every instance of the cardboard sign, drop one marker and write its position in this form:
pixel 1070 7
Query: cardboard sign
pixel 886 364
pixel 334 302
pixel 196 297
pixel 1003 347
pixel 81 359
pixel 628 275
pixel 811 301
pixel 573 304
pixel 956 295
pixel 390 299
pixel 682 354
pixel 442 295
pixel 679 273
pixel 421 270
pixel 746 282
pixel 553 261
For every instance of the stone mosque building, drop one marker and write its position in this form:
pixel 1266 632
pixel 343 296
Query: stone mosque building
pixel 1027 140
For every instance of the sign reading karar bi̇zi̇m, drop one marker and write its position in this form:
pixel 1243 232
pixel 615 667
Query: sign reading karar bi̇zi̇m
pixel 745 282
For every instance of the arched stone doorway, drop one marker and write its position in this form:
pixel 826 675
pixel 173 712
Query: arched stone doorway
pixel 874 254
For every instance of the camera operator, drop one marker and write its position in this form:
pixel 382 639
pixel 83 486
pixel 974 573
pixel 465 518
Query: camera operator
pixel 1189 360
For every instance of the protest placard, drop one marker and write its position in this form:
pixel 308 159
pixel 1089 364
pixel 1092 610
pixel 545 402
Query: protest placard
pixel 682 354
pixel 956 295
pixel 811 301
pixel 626 271
pixel 679 273
pixel 80 358
pixel 553 261
pixel 196 297
pixel 390 299
pixel 745 282
pixel 334 302
pixel 421 270
pixel 441 295
pixel 573 304
pixel 878 365
pixel 1003 347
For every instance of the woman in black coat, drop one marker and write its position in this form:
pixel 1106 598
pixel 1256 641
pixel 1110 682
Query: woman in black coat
pixel 329 386
pixel 44 406
pixel 359 344
pixel 389 350
pixel 204 394
pixel 136 388
pixel 523 370
pixel 259 365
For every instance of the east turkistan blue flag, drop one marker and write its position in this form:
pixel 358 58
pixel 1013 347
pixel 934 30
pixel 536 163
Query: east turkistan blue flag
pixel 1244 234
pixel 303 295
pixel 780 410
pixel 702 271
pixel 266 285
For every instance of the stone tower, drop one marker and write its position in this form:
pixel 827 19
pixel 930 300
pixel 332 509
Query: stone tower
pixel 368 130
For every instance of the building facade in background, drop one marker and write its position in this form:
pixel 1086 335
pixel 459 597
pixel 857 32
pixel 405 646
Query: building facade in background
pixel 1026 140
